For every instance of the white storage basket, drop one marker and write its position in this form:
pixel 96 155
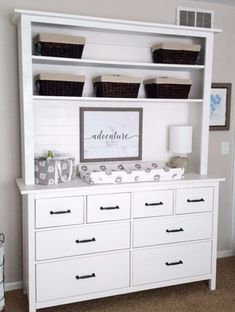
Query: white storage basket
pixel 2 298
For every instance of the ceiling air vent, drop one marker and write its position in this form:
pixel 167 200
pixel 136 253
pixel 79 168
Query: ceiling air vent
pixel 194 17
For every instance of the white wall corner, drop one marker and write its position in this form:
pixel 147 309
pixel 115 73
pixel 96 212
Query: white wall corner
pixel 13 286
pixel 225 253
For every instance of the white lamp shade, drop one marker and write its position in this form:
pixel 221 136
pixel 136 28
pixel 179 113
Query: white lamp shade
pixel 180 139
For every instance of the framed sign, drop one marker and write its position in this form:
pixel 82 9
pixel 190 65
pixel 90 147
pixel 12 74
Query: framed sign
pixel 108 134
pixel 220 103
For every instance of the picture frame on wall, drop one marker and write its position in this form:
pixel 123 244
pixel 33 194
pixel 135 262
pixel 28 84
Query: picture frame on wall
pixel 220 103
pixel 110 134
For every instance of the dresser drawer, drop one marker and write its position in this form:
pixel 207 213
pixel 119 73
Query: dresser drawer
pixel 171 262
pixel 155 231
pixel 153 203
pixel 198 199
pixel 59 211
pixel 83 240
pixel 82 276
pixel 108 207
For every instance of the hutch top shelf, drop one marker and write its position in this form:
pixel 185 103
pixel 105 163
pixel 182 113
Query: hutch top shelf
pixel 108 23
pixel 113 47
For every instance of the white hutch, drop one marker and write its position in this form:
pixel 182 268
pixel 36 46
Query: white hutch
pixel 73 250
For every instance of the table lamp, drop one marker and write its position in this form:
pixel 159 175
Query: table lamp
pixel 180 143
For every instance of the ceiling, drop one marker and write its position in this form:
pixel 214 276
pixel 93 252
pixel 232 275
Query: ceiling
pixel 224 2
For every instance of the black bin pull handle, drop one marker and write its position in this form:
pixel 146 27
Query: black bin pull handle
pixel 174 263
pixel 109 208
pixel 85 240
pixel 84 276
pixel 154 204
pixel 60 212
pixel 174 230
pixel 195 200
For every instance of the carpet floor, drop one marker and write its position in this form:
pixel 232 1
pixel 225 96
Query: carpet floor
pixel 193 297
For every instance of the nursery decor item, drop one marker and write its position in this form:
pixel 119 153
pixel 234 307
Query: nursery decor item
pixel 166 87
pixel 110 133
pixel 176 53
pixel 59 45
pixel 180 143
pixel 59 85
pixel 220 106
pixel 2 259
pixel 54 168
pixel 117 86
pixel 129 172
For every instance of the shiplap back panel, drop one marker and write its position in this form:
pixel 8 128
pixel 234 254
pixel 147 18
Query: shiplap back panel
pixel 56 126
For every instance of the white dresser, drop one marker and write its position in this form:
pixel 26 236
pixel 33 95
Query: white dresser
pixel 83 241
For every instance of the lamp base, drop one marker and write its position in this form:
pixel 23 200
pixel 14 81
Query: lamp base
pixel 179 162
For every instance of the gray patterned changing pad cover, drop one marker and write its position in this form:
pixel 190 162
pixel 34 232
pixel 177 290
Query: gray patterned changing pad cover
pixel 129 172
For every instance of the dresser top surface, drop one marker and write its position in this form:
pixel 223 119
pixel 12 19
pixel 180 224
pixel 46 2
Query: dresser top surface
pixel 83 187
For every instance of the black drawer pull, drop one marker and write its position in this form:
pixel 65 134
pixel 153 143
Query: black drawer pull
pixel 175 230
pixel 85 276
pixel 195 200
pixel 174 263
pixel 154 204
pixel 85 240
pixel 60 212
pixel 109 208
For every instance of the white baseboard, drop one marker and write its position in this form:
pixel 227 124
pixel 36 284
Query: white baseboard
pixel 225 253
pixel 13 285
pixel 19 284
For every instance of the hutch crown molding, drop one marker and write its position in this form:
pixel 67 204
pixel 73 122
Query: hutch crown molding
pixel 84 241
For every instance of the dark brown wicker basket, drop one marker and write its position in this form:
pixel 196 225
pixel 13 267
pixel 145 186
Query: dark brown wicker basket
pixel 175 56
pixel 59 49
pixel 116 89
pixel 59 88
pixel 58 45
pixel 167 91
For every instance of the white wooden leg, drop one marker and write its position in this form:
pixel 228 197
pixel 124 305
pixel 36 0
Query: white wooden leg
pixel 32 308
pixel 29 250
pixel 212 284
pixel 31 303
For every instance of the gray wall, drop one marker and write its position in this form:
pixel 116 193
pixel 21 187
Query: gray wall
pixel 150 10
